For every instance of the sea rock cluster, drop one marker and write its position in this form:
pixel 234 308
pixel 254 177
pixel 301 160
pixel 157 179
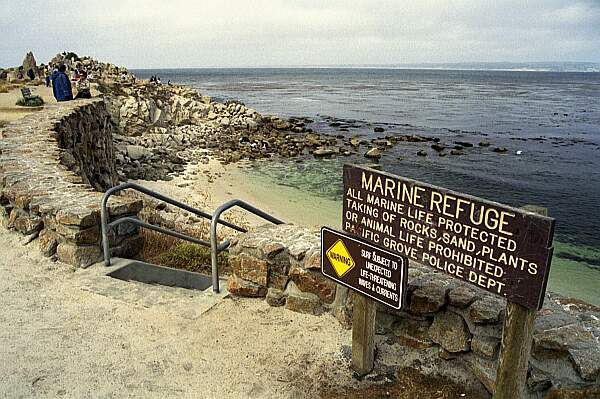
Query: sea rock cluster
pixel 164 127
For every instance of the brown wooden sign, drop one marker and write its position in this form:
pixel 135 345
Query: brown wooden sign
pixel 358 265
pixel 504 250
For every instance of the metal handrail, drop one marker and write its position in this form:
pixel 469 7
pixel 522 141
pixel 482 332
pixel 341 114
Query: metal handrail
pixel 213 232
pixel 105 223
pixel 223 246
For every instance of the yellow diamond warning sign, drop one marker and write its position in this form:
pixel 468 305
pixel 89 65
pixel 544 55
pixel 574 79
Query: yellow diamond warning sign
pixel 340 258
pixel 364 268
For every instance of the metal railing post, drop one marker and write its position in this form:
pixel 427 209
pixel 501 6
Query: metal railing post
pixel 214 252
pixel 104 228
pixel 215 219
pixel 104 215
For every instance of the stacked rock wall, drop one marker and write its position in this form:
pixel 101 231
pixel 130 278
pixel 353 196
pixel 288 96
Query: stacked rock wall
pixel 464 324
pixel 86 137
pixel 51 164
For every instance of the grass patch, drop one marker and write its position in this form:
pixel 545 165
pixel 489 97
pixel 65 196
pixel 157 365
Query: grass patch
pixel 36 101
pixel 194 258
pixel 155 244
pixel 167 251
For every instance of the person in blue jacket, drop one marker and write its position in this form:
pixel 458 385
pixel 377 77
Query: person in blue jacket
pixel 61 85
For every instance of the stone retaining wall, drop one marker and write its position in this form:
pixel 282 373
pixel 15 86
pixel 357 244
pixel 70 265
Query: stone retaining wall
pixel 462 323
pixel 51 164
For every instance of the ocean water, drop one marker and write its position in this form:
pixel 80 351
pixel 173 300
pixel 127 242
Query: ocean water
pixel 549 122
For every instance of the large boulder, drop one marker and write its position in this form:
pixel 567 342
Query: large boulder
pixel 29 62
pixel 450 331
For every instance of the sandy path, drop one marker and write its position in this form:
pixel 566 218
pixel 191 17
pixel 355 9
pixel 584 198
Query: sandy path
pixel 58 339
pixel 10 112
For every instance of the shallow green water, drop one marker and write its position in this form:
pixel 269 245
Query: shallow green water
pixel 308 196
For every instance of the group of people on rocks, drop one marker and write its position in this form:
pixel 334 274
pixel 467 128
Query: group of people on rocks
pixel 155 80
pixel 61 84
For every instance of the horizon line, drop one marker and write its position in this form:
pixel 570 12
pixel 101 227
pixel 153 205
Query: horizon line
pixel 457 66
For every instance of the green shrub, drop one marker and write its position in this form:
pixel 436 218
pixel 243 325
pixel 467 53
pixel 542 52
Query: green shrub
pixel 36 101
pixel 72 56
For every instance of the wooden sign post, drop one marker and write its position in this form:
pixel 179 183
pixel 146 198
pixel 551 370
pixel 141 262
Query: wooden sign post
pixel 363 334
pixel 375 275
pixel 515 349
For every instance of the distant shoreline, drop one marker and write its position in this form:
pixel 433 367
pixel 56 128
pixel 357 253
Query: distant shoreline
pixel 589 69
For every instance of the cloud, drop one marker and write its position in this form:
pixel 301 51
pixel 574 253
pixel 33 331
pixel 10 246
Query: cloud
pixel 191 33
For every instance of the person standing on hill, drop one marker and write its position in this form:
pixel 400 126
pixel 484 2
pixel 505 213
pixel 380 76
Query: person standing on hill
pixel 61 85
pixel 83 87
pixel 47 75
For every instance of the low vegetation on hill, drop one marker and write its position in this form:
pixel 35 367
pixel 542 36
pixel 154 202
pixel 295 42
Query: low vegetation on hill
pixel 30 102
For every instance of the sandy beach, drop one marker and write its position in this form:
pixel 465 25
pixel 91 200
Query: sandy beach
pixel 212 184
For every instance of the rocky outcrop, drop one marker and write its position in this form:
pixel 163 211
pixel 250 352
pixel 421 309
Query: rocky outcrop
pixel 97 71
pixel 51 165
pixel 29 62
pixel 177 125
pixel 282 263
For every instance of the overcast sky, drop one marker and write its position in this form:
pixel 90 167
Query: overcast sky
pixel 238 33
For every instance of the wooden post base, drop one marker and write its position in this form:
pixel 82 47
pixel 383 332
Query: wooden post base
pixel 517 338
pixel 363 334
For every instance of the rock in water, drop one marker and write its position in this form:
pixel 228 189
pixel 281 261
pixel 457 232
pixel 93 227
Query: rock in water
pixel 374 152
pixel 500 149
pixel 465 144
pixel 325 151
